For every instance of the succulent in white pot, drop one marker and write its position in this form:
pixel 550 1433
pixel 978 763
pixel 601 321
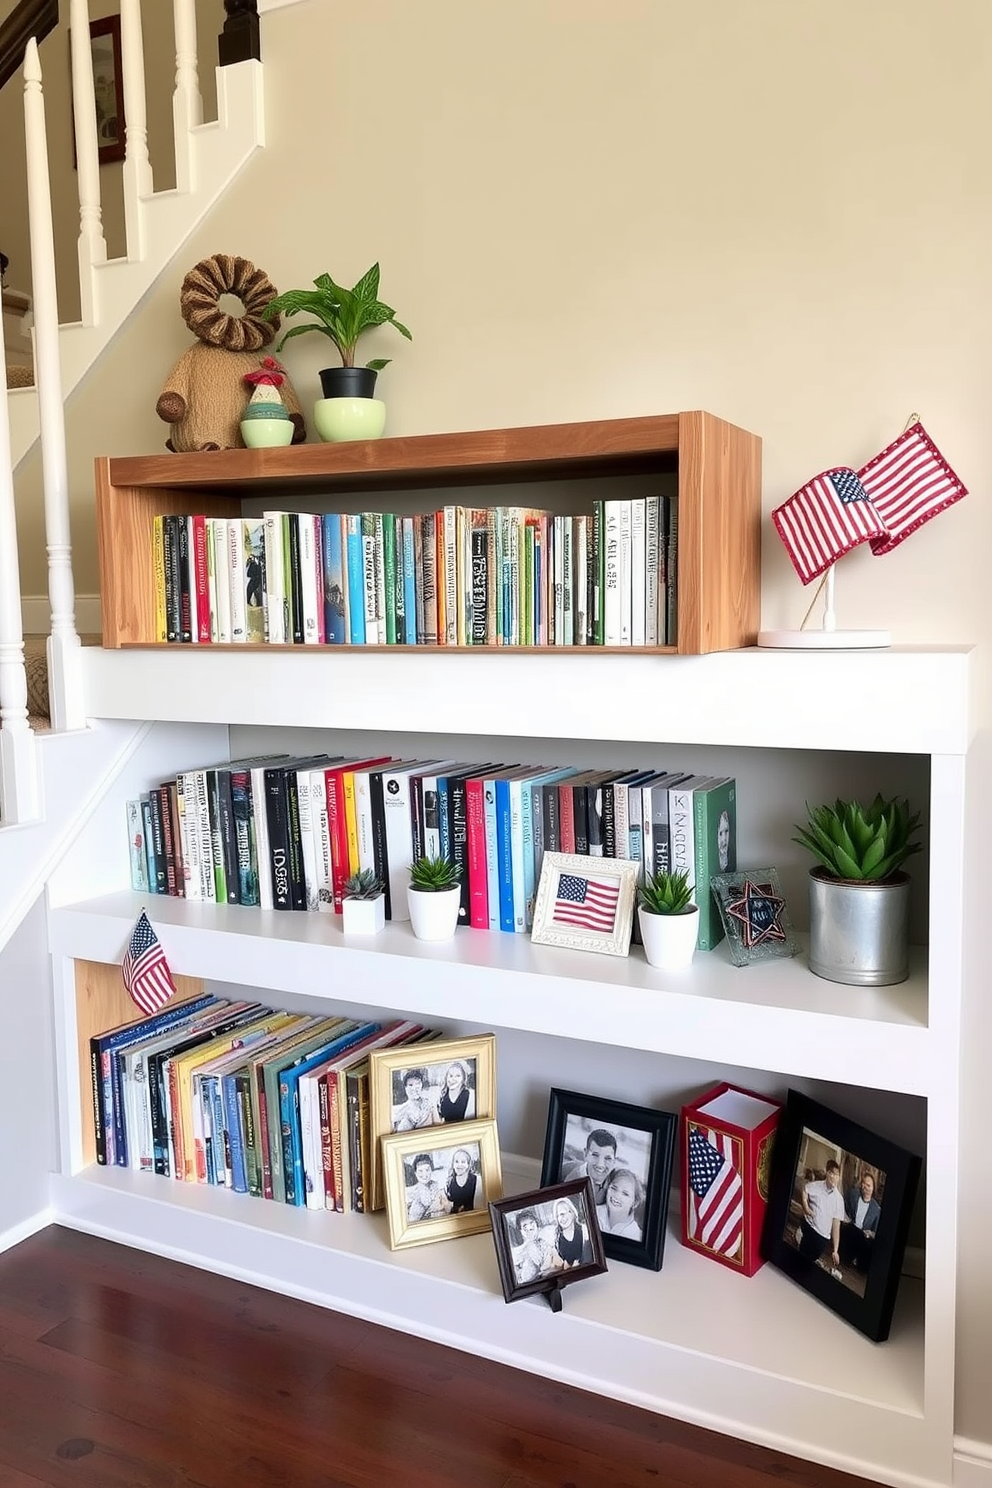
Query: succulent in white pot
pixel 668 919
pixel 434 897
pixel 363 906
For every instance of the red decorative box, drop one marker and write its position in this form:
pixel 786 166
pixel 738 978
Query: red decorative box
pixel 727 1137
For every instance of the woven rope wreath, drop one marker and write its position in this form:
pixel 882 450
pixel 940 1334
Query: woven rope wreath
pixel 199 297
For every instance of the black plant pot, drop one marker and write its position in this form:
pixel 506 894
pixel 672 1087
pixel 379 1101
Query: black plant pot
pixel 348 382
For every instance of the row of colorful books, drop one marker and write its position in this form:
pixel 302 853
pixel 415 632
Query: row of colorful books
pixel 282 832
pixel 458 576
pixel 233 1094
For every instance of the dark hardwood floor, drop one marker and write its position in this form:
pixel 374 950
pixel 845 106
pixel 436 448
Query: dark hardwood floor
pixel 122 1370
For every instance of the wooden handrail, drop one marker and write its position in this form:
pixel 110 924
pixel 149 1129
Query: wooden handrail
pixel 31 18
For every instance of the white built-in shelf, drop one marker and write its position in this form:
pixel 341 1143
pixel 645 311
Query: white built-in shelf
pixel 633 1334
pixel 715 1011
pixel 892 701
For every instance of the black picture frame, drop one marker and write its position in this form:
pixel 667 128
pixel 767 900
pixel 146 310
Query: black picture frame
pixel 544 1272
pixel 108 85
pixel 861 1287
pixel 644 1146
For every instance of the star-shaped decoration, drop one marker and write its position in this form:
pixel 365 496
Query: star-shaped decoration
pixel 759 911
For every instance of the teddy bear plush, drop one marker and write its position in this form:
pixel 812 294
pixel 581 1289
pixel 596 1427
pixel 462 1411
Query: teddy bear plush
pixel 204 398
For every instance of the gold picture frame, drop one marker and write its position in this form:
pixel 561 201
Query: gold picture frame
pixel 439 1181
pixel 397 1106
pixel 586 904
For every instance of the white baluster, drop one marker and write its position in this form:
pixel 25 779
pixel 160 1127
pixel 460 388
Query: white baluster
pixel 91 245
pixel 137 168
pixel 187 104
pixel 64 659
pixel 20 791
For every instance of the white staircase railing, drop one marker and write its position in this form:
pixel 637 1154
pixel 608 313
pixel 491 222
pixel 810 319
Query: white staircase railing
pixel 207 157
pixel 65 677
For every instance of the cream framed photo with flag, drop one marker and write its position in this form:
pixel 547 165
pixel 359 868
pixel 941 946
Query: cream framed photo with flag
pixel 585 904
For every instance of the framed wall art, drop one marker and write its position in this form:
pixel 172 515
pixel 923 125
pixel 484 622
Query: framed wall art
pixel 108 87
pixel 586 904
pixel 547 1239
pixel 440 1181
pixel 626 1152
pixel 416 1086
pixel 839 1211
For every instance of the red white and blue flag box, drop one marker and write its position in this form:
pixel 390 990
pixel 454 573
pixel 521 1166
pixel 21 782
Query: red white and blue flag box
pixel 727 1137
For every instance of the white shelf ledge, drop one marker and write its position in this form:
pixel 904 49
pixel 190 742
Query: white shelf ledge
pixel 905 702
pixel 693 1340
pixel 715 1011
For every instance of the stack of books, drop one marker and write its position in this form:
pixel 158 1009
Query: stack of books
pixel 456 576
pixel 282 832
pixel 236 1095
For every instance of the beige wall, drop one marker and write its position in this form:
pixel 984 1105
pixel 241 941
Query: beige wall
pixel 776 211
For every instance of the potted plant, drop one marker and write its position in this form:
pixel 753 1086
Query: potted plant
pixel 434 897
pixel 858 893
pixel 363 906
pixel 668 919
pixel 349 408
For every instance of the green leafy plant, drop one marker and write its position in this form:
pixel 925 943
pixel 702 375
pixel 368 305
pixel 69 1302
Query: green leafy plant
pixel 434 875
pixel 362 885
pixel 342 314
pixel 666 893
pixel 858 842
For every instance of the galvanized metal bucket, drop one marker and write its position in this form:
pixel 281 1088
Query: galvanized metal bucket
pixel 859 932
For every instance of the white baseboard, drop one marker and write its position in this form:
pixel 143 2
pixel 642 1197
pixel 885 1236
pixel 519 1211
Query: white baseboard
pixel 27 1228
pixel 972 1463
pixel 36 614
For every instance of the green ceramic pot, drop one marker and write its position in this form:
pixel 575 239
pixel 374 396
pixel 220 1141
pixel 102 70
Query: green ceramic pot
pixel 339 419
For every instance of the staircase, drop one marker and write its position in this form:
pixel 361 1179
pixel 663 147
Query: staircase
pixel 54 764
pixel 209 156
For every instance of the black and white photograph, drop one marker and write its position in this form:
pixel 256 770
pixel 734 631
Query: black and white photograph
pixel 547 1238
pixel 436 1189
pixel 839 1210
pixel 626 1152
pixel 434 1094
pixel 428 1086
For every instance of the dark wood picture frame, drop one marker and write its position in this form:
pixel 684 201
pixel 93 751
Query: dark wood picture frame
pixel 108 85
pixel 862 1287
pixel 550 1274
pixel 644 1146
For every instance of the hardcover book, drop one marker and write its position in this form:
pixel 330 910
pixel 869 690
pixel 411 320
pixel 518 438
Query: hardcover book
pixel 715 838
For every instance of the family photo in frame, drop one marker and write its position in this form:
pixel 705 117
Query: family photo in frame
pixel 545 1239
pixel 626 1152
pixel 839 1211
pixel 413 1087
pixel 436 1187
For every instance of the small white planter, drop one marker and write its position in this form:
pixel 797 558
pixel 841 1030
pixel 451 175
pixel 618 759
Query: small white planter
pixel 669 940
pixel 363 916
pixel 434 916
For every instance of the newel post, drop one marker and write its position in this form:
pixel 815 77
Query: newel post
pixel 239 41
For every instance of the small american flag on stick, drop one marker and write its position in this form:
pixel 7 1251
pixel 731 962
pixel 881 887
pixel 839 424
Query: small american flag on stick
pixel 907 484
pixel 716 1200
pixel 825 519
pixel 882 504
pixel 145 970
pixel 589 903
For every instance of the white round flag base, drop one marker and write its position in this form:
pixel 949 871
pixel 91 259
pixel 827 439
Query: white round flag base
pixel 824 640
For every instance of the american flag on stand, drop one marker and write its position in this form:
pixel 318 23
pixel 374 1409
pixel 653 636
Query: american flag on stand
pixel 882 504
pixel 825 519
pixel 145 970
pixel 589 903
pixel 907 484
pixel 716 1197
